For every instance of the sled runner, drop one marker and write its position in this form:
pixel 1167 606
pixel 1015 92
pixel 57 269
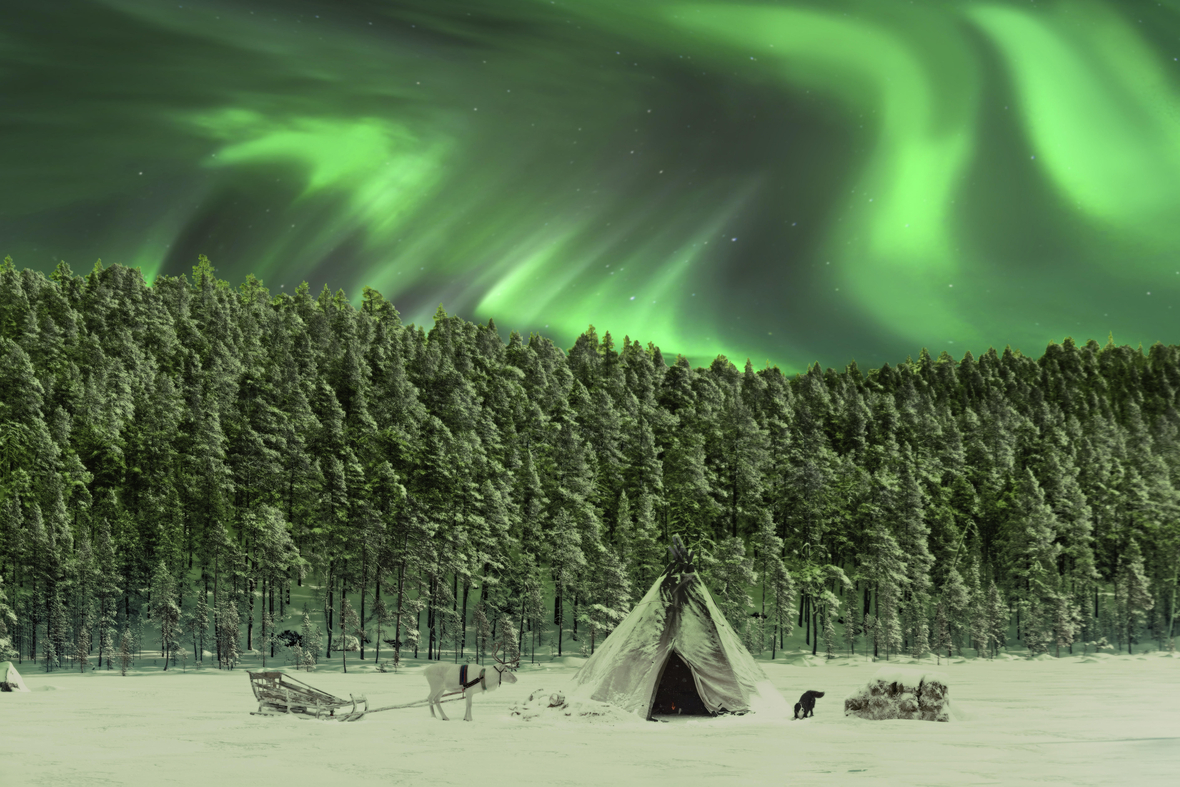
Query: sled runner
pixel 278 693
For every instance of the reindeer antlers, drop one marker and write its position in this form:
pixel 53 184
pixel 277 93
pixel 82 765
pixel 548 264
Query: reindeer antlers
pixel 512 665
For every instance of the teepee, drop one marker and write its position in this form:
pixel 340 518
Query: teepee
pixel 676 654
pixel 10 679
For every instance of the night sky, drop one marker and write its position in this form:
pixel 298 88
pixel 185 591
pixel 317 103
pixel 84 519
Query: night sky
pixel 781 181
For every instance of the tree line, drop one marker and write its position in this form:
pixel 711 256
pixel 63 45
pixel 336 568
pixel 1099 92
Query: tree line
pixel 175 459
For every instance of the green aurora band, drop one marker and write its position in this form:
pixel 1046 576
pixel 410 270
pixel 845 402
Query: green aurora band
pixel 780 181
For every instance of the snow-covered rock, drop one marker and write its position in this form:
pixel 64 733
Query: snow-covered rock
pixel 902 693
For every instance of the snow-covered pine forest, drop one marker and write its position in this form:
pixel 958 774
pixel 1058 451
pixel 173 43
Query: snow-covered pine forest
pixel 177 461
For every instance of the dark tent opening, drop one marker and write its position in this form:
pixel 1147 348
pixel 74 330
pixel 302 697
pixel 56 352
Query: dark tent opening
pixel 676 695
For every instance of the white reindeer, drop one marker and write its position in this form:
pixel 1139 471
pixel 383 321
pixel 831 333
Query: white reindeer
pixel 444 679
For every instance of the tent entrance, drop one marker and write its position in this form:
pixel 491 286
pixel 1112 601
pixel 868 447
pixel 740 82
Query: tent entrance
pixel 676 694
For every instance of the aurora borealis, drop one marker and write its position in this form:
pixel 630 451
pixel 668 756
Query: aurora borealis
pixel 785 181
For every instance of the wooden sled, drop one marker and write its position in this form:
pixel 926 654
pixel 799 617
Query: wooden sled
pixel 278 693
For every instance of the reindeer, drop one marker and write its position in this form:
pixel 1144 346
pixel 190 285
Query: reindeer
pixel 444 678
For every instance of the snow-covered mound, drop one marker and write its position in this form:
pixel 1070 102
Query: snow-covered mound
pixel 902 693
pixel 10 679
pixel 543 704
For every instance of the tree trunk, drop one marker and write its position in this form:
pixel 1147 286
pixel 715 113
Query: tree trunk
pixel 364 577
pixel 807 618
pixel 377 606
pixel 217 606
pixel 814 628
pixel 397 636
pixel 463 638
pixel 250 618
pixel 557 620
pixel 430 619
pixel 328 607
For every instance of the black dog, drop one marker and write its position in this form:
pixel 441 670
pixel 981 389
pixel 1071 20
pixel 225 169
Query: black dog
pixel 807 703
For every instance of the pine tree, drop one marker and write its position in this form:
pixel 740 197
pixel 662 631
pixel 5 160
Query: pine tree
pixel 609 596
pixel 1031 558
pixel 1132 593
pixel 884 566
pixel 781 587
pixel 228 634
pixel 566 559
pixel 7 618
pixel 997 618
pixel 729 572
pixel 350 624
pixel 955 604
pixel 125 648
pixel 311 638
pixel 977 609
pixel 199 625
pixel 164 610
pixel 1066 621
pixel 942 634
pixel 82 642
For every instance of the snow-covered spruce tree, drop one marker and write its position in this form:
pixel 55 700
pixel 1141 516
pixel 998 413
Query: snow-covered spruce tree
pixel 729 572
pixel 566 560
pixel 266 634
pixel 828 603
pixel 647 554
pixel 913 537
pixel 955 603
pixel 351 631
pixel 164 610
pixel 767 549
pixel 609 597
pixel 507 638
pixel 534 616
pixel 82 637
pixel 624 531
pixel 106 586
pixel 1066 621
pixel 942 633
pixel 997 618
pixel 1030 555
pixel 884 565
pixel 782 595
pixel 977 611
pixel 888 621
pixel 1038 625
pixel 483 630
pixel 198 625
pixel 852 628
pixel 228 634
pixel 7 620
pixel 1132 593
pixel 311 638
pixel 125 651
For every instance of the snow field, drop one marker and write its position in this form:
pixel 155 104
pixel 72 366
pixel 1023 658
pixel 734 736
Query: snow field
pixel 1108 720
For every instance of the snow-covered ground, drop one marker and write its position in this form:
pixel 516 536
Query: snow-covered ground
pixel 1106 720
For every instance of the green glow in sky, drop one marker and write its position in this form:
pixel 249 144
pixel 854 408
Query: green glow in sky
pixel 784 181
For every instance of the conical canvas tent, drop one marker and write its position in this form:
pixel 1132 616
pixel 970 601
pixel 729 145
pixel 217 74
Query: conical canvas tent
pixel 674 653
pixel 10 679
